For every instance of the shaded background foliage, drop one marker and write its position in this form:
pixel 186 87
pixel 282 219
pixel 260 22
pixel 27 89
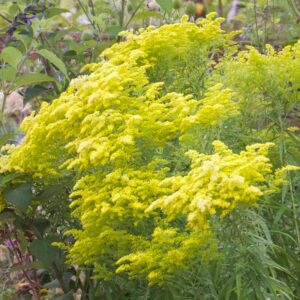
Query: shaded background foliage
pixel 45 44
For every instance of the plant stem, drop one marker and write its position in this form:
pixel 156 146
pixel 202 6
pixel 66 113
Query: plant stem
pixel 88 16
pixel 256 22
pixel 9 87
pixel 4 18
pixel 59 278
pixel 134 13
pixel 122 13
pixel 294 6
pixel 294 210
pixel 33 285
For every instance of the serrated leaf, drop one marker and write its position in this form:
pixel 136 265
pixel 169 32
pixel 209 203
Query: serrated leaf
pixel 166 5
pixel 52 58
pixel 33 78
pixel 12 56
pixel 20 196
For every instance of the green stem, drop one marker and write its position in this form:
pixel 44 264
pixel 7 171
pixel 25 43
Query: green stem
pixel 256 22
pixel 60 278
pixel 295 9
pixel 134 13
pixel 91 3
pixel 294 210
pixel 122 13
pixel 88 16
pixel 8 90
pixel 6 19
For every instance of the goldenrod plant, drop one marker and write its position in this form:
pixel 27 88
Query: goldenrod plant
pixel 169 204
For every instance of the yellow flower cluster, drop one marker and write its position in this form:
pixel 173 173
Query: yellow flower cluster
pixel 267 84
pixel 217 183
pixel 119 134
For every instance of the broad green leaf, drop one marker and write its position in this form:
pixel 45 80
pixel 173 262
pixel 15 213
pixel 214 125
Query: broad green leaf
pixel 166 5
pixel 54 11
pixel 57 62
pixel 43 250
pixel 33 78
pixel 7 73
pixel 12 56
pixel 20 196
pixel 33 92
pixel 146 14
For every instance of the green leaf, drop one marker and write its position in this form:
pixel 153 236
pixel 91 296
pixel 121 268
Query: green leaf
pixel 4 179
pixel 166 5
pixel 114 29
pixel 60 34
pixel 52 284
pixel 43 250
pixel 146 14
pixel 57 62
pixel 23 241
pixel 54 11
pixel 20 196
pixel 4 139
pixel 12 56
pixel 13 9
pixel 7 215
pixel 101 47
pixel 7 73
pixel 33 92
pixel 41 225
pixel 25 37
pixel 33 78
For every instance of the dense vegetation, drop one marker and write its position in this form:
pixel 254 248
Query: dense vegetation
pixel 159 162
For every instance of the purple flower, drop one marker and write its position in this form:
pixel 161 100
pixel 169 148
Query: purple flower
pixel 9 244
